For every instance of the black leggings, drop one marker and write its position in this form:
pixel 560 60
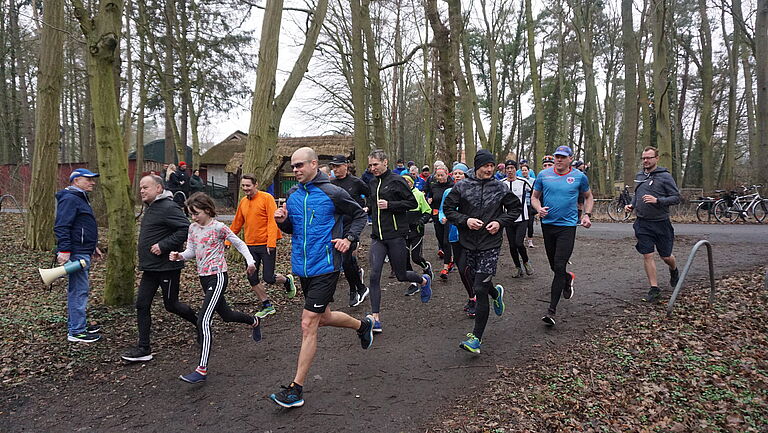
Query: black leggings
pixel 515 238
pixel 531 217
pixel 214 287
pixel 168 281
pixel 460 257
pixel 352 270
pixel 414 246
pixel 558 241
pixel 441 232
pixel 398 256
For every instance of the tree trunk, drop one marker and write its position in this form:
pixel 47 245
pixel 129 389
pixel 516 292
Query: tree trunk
pixel 128 114
pixel 748 93
pixel 261 156
pixel 630 116
pixel 761 76
pixel 661 83
pixel 374 80
pixel 456 21
pixel 704 137
pixel 101 32
pixel 362 148
pixel 140 30
pixel 538 99
pixel 444 65
pixel 39 223
pixel 729 153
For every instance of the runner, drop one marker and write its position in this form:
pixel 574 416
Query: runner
pixel 555 197
pixel 313 214
pixel 256 212
pixel 417 217
pixel 480 206
pixel 205 243
pixel 390 199
pixel 655 192
pixel 440 182
pixel 516 231
pixel 358 190
pixel 527 175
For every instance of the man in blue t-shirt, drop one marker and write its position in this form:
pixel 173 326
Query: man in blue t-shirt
pixel 555 196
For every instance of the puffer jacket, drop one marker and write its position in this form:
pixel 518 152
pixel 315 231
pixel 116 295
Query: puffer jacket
pixel 165 224
pixel 487 200
pixel 75 227
pixel 315 217
pixel 391 222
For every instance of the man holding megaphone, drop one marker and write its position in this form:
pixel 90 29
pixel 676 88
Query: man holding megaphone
pixel 77 237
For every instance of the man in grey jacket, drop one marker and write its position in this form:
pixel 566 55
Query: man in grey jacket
pixel 655 192
pixel 163 229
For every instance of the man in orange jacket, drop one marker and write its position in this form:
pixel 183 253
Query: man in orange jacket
pixel 256 211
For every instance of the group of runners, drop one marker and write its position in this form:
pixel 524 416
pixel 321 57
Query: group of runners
pixel 325 216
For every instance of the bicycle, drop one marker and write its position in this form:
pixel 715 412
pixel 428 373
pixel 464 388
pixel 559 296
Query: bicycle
pixel 732 206
pixel 705 211
pixel 617 207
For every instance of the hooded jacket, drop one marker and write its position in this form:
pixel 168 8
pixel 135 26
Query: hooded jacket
pixel 165 224
pixel 487 200
pixel 315 217
pixel 391 222
pixel 660 184
pixel 75 226
pixel 419 216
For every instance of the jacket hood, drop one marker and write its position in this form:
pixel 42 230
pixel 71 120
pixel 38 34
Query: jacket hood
pixel 320 178
pixel 70 190
pixel 656 170
pixel 163 195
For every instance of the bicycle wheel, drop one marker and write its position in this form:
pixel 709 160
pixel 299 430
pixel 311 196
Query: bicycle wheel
pixel 760 210
pixel 704 211
pixel 616 210
pixel 724 213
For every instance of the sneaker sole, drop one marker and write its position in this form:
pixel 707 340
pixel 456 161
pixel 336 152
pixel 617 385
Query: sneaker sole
pixel 191 381
pixel 548 321
pixel 499 310
pixel 291 291
pixel 370 332
pixel 363 296
pixel 137 358
pixel 81 340
pixel 377 331
pixel 469 349
pixel 298 403
pixel 261 315
pixel 573 278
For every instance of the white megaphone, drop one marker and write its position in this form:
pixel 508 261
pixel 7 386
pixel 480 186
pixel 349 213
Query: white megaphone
pixel 49 275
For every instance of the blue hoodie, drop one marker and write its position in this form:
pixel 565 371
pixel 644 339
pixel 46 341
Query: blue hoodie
pixel 75 227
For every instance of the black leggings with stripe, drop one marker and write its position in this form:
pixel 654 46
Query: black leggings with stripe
pixel 214 287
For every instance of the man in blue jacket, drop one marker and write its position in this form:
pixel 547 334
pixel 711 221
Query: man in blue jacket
pixel 313 215
pixel 77 237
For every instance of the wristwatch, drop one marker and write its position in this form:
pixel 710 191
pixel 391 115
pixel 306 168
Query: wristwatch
pixel 351 238
pixel 589 214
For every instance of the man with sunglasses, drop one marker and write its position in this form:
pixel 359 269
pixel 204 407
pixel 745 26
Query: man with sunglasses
pixel 313 214
pixel 655 192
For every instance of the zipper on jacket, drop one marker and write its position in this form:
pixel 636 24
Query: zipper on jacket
pixel 82 235
pixel 311 218
pixel 327 254
pixel 378 209
pixel 306 196
pixel 394 221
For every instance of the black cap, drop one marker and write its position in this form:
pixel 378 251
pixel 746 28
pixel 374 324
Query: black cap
pixel 338 160
pixel 511 162
pixel 483 157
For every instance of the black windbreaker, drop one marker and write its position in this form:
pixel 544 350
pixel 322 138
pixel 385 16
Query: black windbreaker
pixel 392 222
pixel 165 224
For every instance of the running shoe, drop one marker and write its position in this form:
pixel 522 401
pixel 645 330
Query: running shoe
pixel 450 266
pixel 256 332
pixel 93 329
pixel 548 320
pixel 653 295
pixel 290 396
pixel 366 335
pixel 377 327
pixel 517 273
pixel 471 344
pixel 362 275
pixel 290 286
pixel 528 268
pixel 83 337
pixel 426 290
pixel 498 302
pixel 412 289
pixel 467 305
pixel 428 270
pixel 194 377
pixel 354 299
pixel 568 291
pixel 362 294
pixel 137 354
pixel 440 254
pixel 444 274
pixel 530 243
pixel 674 277
pixel 471 309
pixel 266 310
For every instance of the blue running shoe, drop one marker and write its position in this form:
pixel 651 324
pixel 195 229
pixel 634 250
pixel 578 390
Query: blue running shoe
pixel 290 396
pixel 498 302
pixel 256 334
pixel 471 344
pixel 377 327
pixel 426 291
pixel 193 377
pixel 366 335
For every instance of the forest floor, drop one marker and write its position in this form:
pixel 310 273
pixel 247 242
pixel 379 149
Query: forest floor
pixel 612 363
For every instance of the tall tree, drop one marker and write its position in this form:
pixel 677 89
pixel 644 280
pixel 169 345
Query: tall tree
pixel 704 136
pixel 630 116
pixel 374 80
pixel 661 83
pixel 444 63
pixel 39 223
pixel 261 156
pixel 761 76
pixel 362 148
pixel 538 99
pixel 102 37
pixel 729 155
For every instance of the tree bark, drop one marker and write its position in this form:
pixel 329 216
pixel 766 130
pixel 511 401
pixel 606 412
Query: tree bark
pixel 357 88
pixel 538 99
pixel 374 79
pixel 630 116
pixel 729 154
pixel 761 76
pixel 39 223
pixel 102 32
pixel 704 136
pixel 444 64
pixel 661 83
pixel 749 95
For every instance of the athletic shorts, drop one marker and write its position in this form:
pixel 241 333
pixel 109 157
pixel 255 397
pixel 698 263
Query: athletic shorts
pixel 318 291
pixel 484 261
pixel 658 234
pixel 262 257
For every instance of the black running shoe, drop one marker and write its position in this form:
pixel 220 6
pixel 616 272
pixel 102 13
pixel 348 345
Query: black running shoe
pixel 137 354
pixel 548 320
pixel 568 291
pixel 366 335
pixel 653 295
pixel 674 277
pixel 354 299
pixel 93 329
pixel 412 289
pixel 290 396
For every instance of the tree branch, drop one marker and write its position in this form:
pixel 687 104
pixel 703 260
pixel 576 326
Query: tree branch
pixel 258 6
pixel 405 59
pixel 83 17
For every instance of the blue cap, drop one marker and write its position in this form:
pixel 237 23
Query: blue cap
pixel 84 172
pixel 564 151
pixel 460 166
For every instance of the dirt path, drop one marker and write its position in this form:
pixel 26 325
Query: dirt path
pixel 414 368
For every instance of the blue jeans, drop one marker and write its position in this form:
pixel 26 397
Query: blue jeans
pixel 77 296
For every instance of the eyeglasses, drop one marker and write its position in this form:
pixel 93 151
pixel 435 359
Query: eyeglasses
pixel 648 157
pixel 299 165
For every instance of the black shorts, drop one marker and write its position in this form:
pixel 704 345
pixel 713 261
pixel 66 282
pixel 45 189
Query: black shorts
pixel 318 291
pixel 483 261
pixel 262 257
pixel 658 234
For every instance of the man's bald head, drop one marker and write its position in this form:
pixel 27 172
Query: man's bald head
pixel 305 154
pixel 304 164
pixel 155 178
pixel 150 187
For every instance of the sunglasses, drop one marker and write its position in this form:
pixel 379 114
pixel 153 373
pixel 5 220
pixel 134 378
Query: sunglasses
pixel 299 165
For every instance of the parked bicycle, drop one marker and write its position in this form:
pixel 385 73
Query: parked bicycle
pixel 616 207
pixel 732 206
pixel 705 211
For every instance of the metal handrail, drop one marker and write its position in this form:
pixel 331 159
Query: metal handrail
pixel 687 268
pixel 4 197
